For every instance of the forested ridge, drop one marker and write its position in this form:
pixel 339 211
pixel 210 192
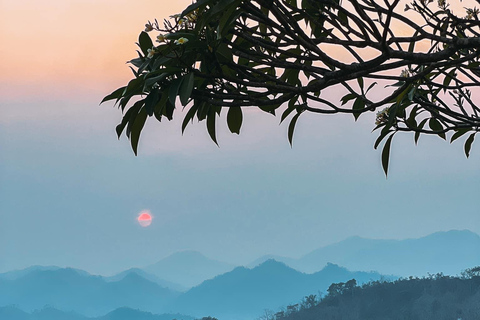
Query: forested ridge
pixel 436 297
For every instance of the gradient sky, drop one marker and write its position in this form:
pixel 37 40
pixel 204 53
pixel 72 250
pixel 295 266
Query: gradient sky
pixel 70 192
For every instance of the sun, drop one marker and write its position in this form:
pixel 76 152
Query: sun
pixel 145 218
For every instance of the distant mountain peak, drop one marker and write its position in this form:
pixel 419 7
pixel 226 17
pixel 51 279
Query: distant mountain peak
pixel 333 267
pixel 453 232
pixel 272 262
pixel 188 268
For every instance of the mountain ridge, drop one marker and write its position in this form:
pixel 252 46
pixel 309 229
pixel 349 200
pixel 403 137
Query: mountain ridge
pixel 177 268
pixel 270 285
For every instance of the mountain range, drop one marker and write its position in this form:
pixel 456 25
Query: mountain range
pixel 448 252
pixel 237 294
pixel 49 313
pixel 189 283
pixel 245 293
pixel 70 290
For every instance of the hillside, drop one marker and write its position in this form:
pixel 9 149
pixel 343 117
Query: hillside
pixel 69 289
pixel 48 313
pixel 434 298
pixel 244 293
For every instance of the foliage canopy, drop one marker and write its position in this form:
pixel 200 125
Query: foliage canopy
pixel 417 69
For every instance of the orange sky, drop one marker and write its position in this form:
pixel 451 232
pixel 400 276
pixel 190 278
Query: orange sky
pixel 54 47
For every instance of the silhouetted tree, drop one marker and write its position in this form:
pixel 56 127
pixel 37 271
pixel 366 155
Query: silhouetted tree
pixel 291 55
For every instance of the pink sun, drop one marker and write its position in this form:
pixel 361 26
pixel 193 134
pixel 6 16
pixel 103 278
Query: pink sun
pixel 145 218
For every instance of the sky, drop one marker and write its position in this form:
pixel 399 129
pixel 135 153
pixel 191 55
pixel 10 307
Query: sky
pixel 70 191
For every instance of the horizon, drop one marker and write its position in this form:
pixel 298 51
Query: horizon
pixel 249 264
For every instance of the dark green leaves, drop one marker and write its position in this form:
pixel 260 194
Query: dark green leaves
pixel 137 129
pixel 291 127
pixel 196 5
pixel 144 42
pixel 211 127
pixel 459 133
pixel 420 126
pixel 448 78
pixel 117 94
pixel 186 88
pixel 189 117
pixel 173 90
pixel 386 154
pixel 437 126
pixel 358 107
pixel 241 53
pixel 234 119
pixel 129 117
pixel 468 144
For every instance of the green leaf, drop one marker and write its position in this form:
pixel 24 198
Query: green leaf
pixel 348 97
pixel 194 6
pixel 114 95
pixel 435 125
pixel 291 107
pixel 291 128
pixel 448 78
pixel 159 109
pixel 359 104
pixel 371 86
pixel 420 126
pixel 151 100
pixel 173 90
pixel 411 121
pixel 137 107
pixel 168 110
pixel 458 133
pixel 189 117
pixel 468 144
pixel 221 6
pixel 211 117
pixel 145 42
pixel 129 115
pixel 230 15
pixel 386 154
pixel 411 93
pixel 186 88
pixel 385 131
pixel 234 119
pixel 360 83
pixel 137 129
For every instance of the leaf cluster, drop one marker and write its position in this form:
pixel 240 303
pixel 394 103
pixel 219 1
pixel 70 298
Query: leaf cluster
pixel 288 56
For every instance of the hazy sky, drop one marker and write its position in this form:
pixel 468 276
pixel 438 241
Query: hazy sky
pixel 70 192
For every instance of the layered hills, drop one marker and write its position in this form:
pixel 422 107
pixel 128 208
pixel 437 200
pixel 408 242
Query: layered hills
pixel 448 252
pixel 239 293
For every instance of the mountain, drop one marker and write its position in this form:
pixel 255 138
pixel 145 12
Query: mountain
pixel 245 293
pixel 49 313
pixel 262 259
pixel 68 289
pixel 15 274
pixel 148 276
pixel 131 314
pixel 187 268
pixel 448 252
